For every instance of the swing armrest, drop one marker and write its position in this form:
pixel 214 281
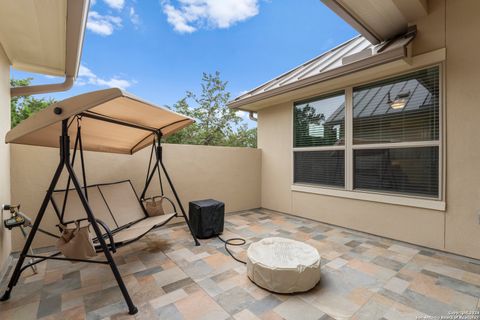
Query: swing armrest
pixel 109 234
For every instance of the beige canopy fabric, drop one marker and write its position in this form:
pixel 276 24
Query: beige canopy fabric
pixel 113 105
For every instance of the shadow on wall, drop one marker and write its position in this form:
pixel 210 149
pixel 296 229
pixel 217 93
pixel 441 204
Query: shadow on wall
pixel 228 174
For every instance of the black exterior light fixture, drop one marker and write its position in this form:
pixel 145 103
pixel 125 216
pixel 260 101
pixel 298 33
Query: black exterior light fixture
pixel 400 100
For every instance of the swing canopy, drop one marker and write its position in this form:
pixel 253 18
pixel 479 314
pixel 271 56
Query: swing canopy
pixel 112 121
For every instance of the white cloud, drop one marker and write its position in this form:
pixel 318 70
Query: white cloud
pixel 134 17
pixel 85 72
pixel 52 77
pixel 103 25
pixel 87 76
pixel 177 19
pixel 242 114
pixel 115 4
pixel 190 15
pixel 114 83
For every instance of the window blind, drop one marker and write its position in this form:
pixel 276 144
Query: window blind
pixel 320 167
pixel 401 109
pixel 320 122
pixel 412 171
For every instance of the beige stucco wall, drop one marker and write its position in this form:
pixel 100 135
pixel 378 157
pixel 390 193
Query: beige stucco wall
pixel 463 130
pixel 5 243
pixel 275 140
pixel 231 175
pixel 431 29
pixel 400 222
pixel 452 25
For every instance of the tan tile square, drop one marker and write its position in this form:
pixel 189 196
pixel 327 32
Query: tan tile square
pixel 74 313
pixel 245 315
pixel 337 263
pixel 168 298
pixel 296 309
pixel 189 307
pixel 397 285
pixel 217 260
pixel 23 311
pixel 427 286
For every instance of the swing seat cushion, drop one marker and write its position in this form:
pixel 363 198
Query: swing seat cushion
pixel 115 204
pixel 140 228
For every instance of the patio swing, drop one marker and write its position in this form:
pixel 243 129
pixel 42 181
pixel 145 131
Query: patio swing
pixel 108 121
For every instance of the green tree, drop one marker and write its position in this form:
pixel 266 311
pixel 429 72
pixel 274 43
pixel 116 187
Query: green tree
pixel 23 107
pixel 216 123
pixel 243 137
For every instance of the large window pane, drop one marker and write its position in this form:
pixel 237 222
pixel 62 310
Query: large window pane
pixel 320 122
pixel 404 170
pixel 320 167
pixel 401 109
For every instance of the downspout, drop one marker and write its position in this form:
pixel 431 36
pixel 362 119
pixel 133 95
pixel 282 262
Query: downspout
pixel 77 12
pixel 44 88
pixel 251 116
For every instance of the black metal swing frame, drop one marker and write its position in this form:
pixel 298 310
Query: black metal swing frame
pixel 67 162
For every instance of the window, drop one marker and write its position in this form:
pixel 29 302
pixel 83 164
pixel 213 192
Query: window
pixel 390 141
pixel 320 167
pixel 320 122
pixel 401 170
pixel 319 156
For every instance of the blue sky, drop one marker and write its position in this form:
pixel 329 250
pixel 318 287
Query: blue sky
pixel 158 49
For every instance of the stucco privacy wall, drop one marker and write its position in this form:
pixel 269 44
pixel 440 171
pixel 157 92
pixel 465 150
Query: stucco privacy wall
pixel 228 174
pixel 463 129
pixel 452 25
pixel 5 243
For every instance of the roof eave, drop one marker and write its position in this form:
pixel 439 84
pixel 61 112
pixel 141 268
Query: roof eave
pixel 77 12
pixel 379 59
pixel 363 29
pixel 379 20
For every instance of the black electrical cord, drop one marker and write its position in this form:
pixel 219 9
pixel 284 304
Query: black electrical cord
pixel 229 242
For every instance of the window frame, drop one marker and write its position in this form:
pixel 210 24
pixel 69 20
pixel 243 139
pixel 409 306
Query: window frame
pixel 348 191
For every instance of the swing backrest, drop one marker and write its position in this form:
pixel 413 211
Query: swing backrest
pixel 123 202
pixel 116 204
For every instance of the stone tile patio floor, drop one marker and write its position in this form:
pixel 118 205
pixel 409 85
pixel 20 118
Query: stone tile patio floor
pixel 363 277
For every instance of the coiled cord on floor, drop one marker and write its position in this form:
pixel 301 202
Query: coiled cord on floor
pixel 228 242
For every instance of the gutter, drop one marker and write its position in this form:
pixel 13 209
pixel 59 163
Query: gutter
pixel 77 12
pixel 43 88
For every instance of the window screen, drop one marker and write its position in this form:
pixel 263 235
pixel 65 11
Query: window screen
pixel 320 122
pixel 320 167
pixel 401 109
pixel 402 170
